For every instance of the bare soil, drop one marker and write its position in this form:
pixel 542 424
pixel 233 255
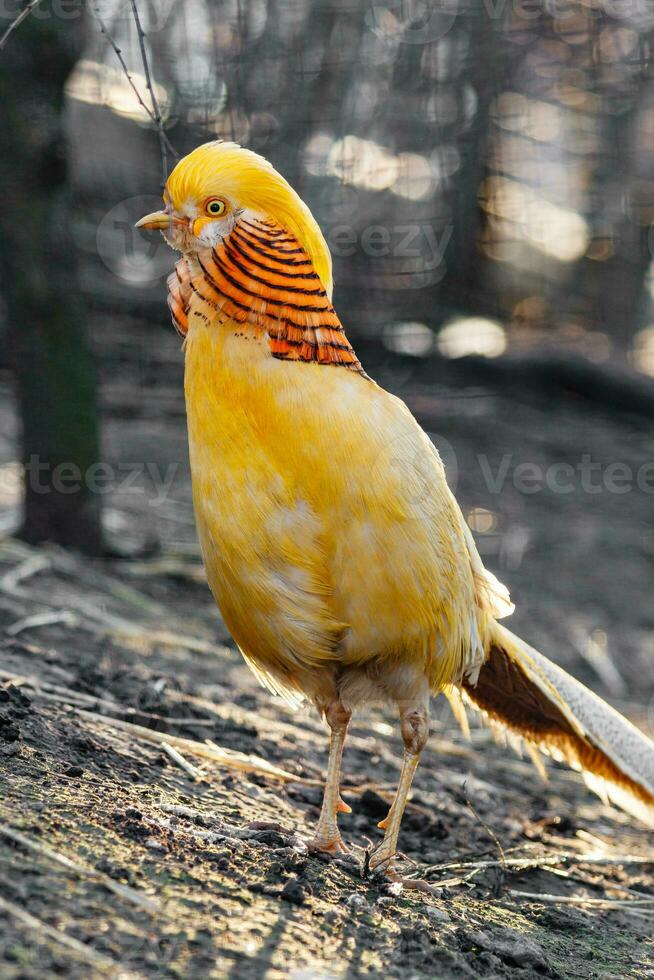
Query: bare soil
pixel 207 875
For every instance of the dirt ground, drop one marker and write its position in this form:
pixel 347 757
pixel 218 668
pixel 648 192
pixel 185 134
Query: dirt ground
pixel 119 859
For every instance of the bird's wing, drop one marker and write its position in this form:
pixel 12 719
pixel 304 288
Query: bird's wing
pixel 492 595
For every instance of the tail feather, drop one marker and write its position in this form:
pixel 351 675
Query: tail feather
pixel 529 695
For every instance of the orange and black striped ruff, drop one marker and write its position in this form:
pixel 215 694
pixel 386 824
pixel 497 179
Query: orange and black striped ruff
pixel 260 274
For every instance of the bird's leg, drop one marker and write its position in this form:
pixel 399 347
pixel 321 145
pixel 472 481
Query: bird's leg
pixel 414 722
pixel 327 836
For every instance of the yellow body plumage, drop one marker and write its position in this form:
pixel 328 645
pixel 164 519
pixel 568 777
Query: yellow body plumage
pixel 327 528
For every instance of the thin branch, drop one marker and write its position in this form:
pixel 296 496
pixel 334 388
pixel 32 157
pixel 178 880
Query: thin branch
pixel 490 833
pixel 177 757
pixel 123 891
pixel 606 903
pixel 31 566
pixel 101 962
pixel 41 619
pixel 150 87
pixel 154 116
pixel 541 862
pixel 25 12
pixel 49 691
pixel 123 64
pixel 230 759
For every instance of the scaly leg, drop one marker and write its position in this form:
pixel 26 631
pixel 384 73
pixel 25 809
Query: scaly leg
pixel 414 722
pixel 327 836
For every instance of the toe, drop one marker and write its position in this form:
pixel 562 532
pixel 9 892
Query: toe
pixel 381 860
pixel 328 844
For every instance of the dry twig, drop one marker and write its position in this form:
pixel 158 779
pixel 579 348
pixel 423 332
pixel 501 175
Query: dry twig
pixel 606 903
pixel 18 19
pixel 212 752
pixel 156 112
pixel 123 891
pixel 31 566
pixel 42 619
pixel 533 863
pixel 177 757
pixel 98 960
pixel 153 113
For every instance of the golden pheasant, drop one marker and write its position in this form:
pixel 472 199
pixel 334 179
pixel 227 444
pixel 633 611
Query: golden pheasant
pixel 339 558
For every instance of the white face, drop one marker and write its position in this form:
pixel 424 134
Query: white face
pixel 195 227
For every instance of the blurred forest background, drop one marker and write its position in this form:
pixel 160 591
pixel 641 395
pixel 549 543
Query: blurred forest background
pixel 484 173
pixel 490 159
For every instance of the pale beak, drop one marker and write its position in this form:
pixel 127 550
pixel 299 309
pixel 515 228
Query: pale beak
pixel 159 221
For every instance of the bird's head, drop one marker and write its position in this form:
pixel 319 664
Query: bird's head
pixel 218 183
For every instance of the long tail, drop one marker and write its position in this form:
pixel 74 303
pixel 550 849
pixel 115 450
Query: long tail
pixel 526 693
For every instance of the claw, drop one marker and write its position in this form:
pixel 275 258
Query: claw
pixel 342 807
pixel 380 859
pixel 328 843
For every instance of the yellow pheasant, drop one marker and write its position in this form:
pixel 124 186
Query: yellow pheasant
pixel 338 556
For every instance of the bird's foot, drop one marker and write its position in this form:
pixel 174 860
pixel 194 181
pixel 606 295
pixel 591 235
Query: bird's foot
pixel 327 837
pixel 328 840
pixel 381 859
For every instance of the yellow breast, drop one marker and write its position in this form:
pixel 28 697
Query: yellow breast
pixel 327 528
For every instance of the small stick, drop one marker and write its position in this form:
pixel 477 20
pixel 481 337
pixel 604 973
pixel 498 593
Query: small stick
pixel 42 619
pixel 498 887
pixel 168 638
pixel 98 960
pixel 123 64
pixel 417 885
pixel 527 864
pixel 215 753
pixel 177 810
pixel 177 757
pixel 65 695
pixel 25 12
pixel 580 900
pixel 31 566
pixel 158 121
pixel 124 891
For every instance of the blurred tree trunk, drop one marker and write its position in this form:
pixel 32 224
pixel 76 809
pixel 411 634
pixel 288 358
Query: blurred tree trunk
pixel 608 291
pixel 618 283
pixel 465 287
pixel 49 350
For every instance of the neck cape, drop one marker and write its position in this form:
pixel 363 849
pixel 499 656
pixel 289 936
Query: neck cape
pixel 260 275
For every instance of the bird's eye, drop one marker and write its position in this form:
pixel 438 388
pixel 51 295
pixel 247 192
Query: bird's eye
pixel 215 207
